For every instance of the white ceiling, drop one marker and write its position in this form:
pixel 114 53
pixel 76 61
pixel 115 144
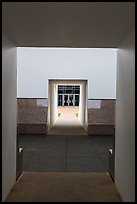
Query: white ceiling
pixel 67 24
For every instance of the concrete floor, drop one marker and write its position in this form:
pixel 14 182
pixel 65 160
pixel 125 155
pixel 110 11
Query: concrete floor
pixel 67 123
pixel 52 153
pixel 64 169
pixel 66 166
pixel 64 187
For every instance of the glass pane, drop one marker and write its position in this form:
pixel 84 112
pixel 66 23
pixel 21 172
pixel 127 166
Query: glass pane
pixel 60 100
pixel 60 91
pixel 68 89
pixel 65 100
pixel 76 103
pixel 77 97
pixel 76 100
pixel 70 100
pixel 77 89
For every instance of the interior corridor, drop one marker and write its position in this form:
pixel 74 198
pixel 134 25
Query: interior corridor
pixel 67 122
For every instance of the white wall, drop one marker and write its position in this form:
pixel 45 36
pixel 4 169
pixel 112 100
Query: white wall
pixel 37 65
pixel 52 108
pixel 125 120
pixel 9 95
pixel 82 116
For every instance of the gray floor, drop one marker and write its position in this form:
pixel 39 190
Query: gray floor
pixel 49 153
pixel 64 187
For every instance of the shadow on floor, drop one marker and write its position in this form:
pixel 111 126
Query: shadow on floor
pixel 54 153
pixel 64 187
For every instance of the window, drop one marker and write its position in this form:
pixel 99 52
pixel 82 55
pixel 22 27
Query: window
pixel 68 95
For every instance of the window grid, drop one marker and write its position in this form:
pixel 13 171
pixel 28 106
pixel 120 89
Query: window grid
pixel 68 95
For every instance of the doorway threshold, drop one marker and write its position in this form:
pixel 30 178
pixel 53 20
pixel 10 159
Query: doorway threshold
pixel 67 123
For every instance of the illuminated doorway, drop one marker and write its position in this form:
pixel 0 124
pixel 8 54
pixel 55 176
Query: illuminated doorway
pixel 67 93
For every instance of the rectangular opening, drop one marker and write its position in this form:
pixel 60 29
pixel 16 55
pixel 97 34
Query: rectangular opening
pixel 68 95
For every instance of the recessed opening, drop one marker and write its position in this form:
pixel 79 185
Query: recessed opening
pixel 40 73
pixel 67 108
pixel 68 95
